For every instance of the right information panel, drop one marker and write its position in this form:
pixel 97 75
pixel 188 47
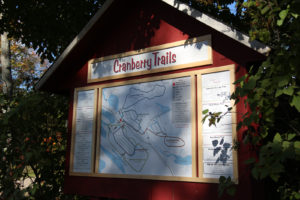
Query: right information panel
pixel 217 140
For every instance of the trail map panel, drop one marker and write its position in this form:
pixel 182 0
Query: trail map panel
pixel 146 129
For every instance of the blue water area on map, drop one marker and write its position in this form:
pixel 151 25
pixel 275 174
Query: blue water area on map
pixel 186 160
pixel 113 101
pixel 163 109
pixel 116 160
pixel 103 94
pixel 108 115
pixel 103 131
pixel 102 165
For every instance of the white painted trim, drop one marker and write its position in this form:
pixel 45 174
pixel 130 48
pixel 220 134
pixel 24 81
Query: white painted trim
pixel 219 26
pixel 75 41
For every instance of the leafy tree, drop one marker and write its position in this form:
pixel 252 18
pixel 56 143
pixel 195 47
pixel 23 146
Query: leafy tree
pixel 271 93
pixel 32 134
pixel 32 146
pixel 221 11
pixel 26 66
pixel 48 26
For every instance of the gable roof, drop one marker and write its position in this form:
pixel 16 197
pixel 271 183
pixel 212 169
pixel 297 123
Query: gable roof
pixel 182 7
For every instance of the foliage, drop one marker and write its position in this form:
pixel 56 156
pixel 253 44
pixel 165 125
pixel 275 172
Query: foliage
pixel 214 117
pixel 221 11
pixel 271 93
pixel 227 185
pixel 48 26
pixel 32 134
pixel 33 142
pixel 273 96
pixel 26 66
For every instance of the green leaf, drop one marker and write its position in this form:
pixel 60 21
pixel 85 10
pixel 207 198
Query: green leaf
pixel 205 111
pixel 231 191
pixel 275 177
pixel 282 16
pixel 34 189
pixel 288 91
pixel 295 15
pixel 250 85
pixel 217 114
pixel 265 83
pixel 264 173
pixel 204 118
pixel 250 161
pixel 283 13
pixel 240 79
pixel 280 22
pixel 276 104
pixel 283 81
pixel 297 147
pixel 265 9
pixel 222 179
pixel 285 144
pixel 296 102
pixel 212 121
pixel 291 136
pixel 277 138
pixel 264 134
pixel 297 195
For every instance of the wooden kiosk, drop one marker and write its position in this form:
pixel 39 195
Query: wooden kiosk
pixel 138 77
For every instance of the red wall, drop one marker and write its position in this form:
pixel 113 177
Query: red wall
pixel 140 27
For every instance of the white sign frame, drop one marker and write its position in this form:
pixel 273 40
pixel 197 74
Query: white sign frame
pixel 233 133
pixel 193 129
pixel 72 168
pixel 198 140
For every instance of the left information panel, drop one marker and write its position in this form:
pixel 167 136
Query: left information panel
pixel 83 131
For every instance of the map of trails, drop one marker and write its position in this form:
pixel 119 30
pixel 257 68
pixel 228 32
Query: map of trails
pixel 146 129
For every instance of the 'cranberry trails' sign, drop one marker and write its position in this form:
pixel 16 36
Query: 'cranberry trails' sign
pixel 176 55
